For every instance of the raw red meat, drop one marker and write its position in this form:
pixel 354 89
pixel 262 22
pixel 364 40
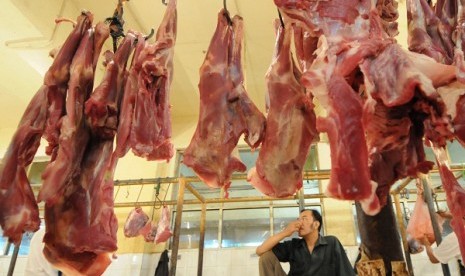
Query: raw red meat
pixel 18 208
pixel 127 105
pixel 387 10
pixel 163 230
pixel 393 102
pixel 423 35
pixel 136 220
pixel 87 205
pixel 57 79
pixel 226 111
pixel 420 224
pixel 305 47
pixel 74 134
pixel 66 208
pixel 290 124
pixel 151 126
pixel 149 231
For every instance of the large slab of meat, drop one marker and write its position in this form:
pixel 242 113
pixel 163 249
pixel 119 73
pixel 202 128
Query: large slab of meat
pixel 226 112
pixel 379 108
pixel 66 200
pixel 74 134
pixel 290 125
pixel 151 127
pixel 18 208
pixel 395 98
pixel 445 32
pixel 87 206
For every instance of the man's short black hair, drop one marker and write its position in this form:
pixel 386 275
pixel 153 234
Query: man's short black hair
pixel 316 215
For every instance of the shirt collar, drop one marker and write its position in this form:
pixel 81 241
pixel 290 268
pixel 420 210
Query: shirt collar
pixel 321 241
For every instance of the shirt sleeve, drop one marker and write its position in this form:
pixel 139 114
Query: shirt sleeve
pixel 282 251
pixel 343 266
pixel 448 249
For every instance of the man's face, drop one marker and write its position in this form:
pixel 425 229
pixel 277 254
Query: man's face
pixel 309 224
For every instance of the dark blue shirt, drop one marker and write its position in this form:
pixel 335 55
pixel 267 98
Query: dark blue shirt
pixel 327 259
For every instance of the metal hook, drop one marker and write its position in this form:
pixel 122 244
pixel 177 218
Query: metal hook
pixel 147 37
pixel 116 24
pixel 157 198
pixel 164 2
pixel 226 13
pixel 280 18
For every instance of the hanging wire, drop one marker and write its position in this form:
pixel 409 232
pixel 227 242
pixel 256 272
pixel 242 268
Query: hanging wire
pixel 116 194
pixel 166 192
pixel 140 191
pixel 157 198
pixel 226 13
pixel 280 18
pixel 127 191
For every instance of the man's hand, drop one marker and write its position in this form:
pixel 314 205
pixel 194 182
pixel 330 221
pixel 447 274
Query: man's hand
pixel 292 227
pixel 424 240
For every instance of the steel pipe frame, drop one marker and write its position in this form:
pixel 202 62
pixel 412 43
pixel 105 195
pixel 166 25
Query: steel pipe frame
pixel 185 183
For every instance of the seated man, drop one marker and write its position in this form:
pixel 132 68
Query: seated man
pixel 312 254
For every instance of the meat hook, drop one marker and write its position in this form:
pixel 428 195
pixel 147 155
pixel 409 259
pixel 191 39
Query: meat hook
pixel 157 193
pixel 116 24
pixel 226 13
pixel 164 2
pixel 147 37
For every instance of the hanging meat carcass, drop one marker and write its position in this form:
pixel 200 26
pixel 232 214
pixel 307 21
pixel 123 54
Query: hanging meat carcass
pixel 445 31
pixel 151 126
pixel 87 206
pixel 66 206
pixel 379 107
pixel 290 125
pixel 74 134
pixel 226 112
pixel 347 40
pixel 18 208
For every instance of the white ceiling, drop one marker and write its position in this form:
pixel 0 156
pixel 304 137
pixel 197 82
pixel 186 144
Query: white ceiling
pixel 31 33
